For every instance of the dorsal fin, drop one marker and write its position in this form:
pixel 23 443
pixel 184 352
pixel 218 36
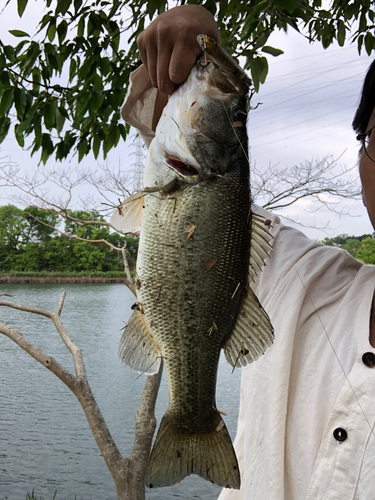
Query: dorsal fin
pixel 261 246
pixel 253 332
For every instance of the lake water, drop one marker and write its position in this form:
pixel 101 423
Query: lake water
pixel 45 440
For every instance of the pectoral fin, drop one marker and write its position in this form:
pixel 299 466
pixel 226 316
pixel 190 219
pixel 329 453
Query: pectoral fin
pixel 138 348
pixel 128 217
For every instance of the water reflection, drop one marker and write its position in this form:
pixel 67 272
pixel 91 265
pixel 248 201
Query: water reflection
pixel 45 440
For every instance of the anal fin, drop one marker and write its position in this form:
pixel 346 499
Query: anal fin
pixel 138 349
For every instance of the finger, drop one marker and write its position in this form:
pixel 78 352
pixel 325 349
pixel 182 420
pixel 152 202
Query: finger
pixel 165 84
pixel 148 55
pixel 181 62
pixel 141 42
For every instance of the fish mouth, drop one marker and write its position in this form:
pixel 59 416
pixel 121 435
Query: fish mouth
pixel 181 167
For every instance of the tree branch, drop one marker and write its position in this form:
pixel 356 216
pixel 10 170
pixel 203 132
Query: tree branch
pixel 128 473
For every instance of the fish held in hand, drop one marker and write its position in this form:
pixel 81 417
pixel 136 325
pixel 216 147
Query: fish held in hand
pixel 200 246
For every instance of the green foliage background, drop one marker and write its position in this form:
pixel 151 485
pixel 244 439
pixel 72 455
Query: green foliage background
pixel 61 88
pixel 29 246
pixel 360 247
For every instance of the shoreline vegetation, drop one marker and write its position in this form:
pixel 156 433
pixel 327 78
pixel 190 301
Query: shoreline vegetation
pixel 31 242
pixel 62 277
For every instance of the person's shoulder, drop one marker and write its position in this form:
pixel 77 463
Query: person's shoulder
pixel 285 238
pixel 294 253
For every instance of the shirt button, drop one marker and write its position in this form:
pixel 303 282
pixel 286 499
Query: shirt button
pixel 340 434
pixel 369 359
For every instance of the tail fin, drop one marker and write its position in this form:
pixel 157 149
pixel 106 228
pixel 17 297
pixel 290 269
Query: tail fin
pixel 177 454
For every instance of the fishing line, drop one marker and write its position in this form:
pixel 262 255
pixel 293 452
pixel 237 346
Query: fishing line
pixel 335 353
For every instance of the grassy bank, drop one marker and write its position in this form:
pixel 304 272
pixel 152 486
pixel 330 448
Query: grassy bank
pixel 65 274
pixel 12 278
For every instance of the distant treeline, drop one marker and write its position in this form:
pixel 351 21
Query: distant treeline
pixel 26 245
pixel 361 247
pixel 29 246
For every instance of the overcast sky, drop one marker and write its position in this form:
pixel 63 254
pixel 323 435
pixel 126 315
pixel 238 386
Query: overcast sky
pixel 308 103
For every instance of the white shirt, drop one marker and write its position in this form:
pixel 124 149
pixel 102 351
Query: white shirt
pixel 312 382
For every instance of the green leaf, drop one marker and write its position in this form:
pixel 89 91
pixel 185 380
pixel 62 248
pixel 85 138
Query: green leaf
pixel 36 79
pixel 259 71
pixel 288 5
pixel 20 102
pixel 341 32
pixel 47 148
pixel 63 6
pixel 2 62
pixel 21 6
pixel 19 137
pixel 6 101
pixel 152 5
pixel 60 120
pixel 49 115
pixel 19 33
pixel 81 27
pixel 51 32
pixel 96 101
pixel 61 30
pixel 272 50
pixel 77 5
pixel 87 67
pixel 105 65
pixel 82 149
pixel 49 48
pixel 82 106
pixel 263 68
pixel 10 53
pixel 369 43
pixel 4 128
pixel 72 69
pixel 360 43
pixel 52 60
pixel 38 132
pixel 124 130
pixel 96 146
pixel 362 22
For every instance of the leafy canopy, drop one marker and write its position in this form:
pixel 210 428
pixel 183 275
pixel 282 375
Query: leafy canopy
pixel 62 87
pixel 26 244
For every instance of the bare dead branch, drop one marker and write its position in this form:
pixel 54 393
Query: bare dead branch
pixel 322 181
pixel 47 361
pixel 73 236
pixel 128 473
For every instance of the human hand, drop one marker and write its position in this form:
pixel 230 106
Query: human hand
pixel 168 46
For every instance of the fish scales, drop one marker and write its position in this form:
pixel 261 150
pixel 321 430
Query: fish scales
pixel 194 265
pixel 183 300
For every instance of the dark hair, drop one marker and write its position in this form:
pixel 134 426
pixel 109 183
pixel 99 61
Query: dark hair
pixel 367 102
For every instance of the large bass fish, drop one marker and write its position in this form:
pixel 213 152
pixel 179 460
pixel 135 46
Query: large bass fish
pixel 200 246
